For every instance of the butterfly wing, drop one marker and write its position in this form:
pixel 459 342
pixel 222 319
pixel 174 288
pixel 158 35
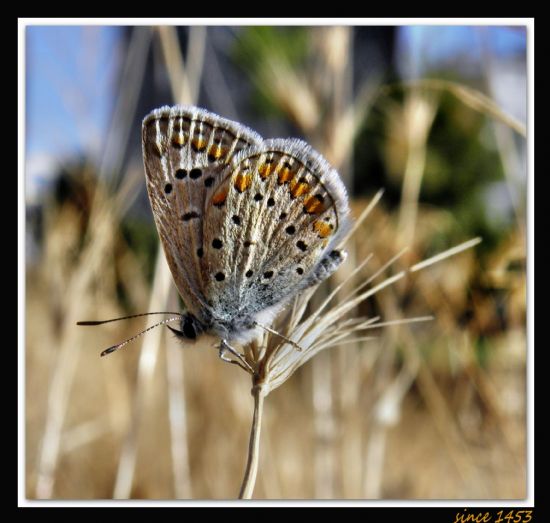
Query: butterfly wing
pixel 271 225
pixel 185 150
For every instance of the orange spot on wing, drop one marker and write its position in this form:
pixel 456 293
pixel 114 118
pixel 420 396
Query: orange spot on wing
pixel 299 188
pixel 265 170
pixel 179 140
pixel 285 174
pixel 216 152
pixel 219 198
pixel 242 182
pixel 198 143
pixel 314 204
pixel 323 229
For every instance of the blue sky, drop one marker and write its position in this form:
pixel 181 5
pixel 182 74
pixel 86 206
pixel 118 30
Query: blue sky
pixel 71 77
pixel 428 46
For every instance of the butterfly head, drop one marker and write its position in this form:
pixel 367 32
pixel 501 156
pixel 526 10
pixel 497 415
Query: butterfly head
pixel 190 327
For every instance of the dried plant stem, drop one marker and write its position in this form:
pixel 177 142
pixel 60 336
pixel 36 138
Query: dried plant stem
pixel 474 99
pixel 325 427
pixel 177 413
pixel 249 480
pixel 146 367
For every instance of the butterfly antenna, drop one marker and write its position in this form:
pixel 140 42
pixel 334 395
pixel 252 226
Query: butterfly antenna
pixel 101 322
pixel 269 329
pixel 120 345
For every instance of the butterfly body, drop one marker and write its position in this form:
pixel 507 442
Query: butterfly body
pixel 245 223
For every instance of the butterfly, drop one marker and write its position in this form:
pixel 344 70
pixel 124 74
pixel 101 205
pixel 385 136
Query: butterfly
pixel 245 223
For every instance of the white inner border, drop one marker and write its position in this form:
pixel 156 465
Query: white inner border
pixel 530 27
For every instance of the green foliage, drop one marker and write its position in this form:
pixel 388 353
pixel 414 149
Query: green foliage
pixel 482 350
pixel 257 47
pixel 142 238
pixel 461 165
pixel 257 44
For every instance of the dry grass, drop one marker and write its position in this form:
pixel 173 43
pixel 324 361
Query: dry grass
pixel 382 392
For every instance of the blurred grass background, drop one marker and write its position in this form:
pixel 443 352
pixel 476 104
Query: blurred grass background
pixel 435 115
